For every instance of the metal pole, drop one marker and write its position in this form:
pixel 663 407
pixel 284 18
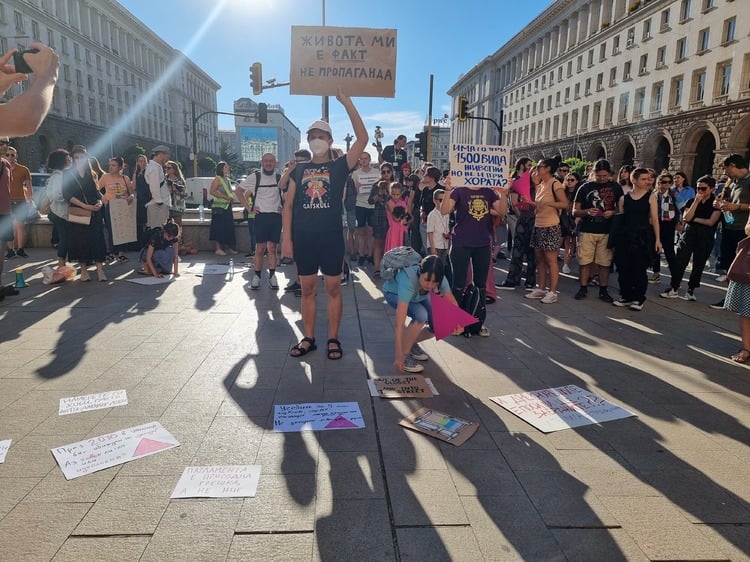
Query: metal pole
pixel 325 109
pixel 428 156
pixel 195 142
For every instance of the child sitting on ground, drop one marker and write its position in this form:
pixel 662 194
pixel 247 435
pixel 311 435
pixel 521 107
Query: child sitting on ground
pixel 161 254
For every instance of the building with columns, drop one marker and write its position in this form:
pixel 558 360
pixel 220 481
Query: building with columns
pixel 119 84
pixel 660 83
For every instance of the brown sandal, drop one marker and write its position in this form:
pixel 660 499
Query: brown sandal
pixel 741 356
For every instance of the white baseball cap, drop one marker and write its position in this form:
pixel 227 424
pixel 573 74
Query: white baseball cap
pixel 321 126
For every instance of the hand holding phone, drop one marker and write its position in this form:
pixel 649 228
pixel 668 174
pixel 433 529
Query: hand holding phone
pixel 20 63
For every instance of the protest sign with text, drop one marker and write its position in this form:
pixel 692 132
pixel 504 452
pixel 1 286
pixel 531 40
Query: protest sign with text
pixel 360 60
pixel 479 165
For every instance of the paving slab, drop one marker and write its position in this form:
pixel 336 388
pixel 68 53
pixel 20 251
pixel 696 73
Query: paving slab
pixel 116 549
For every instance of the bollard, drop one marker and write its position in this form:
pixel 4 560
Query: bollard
pixel 20 281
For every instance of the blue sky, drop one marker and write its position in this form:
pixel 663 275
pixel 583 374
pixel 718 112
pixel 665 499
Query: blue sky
pixel 439 37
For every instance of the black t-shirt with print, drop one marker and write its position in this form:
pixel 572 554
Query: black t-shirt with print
pixel 318 196
pixel 601 196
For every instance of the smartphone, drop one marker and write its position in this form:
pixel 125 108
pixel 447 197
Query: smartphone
pixel 20 63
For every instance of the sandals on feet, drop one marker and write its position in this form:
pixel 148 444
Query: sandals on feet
pixel 741 356
pixel 335 352
pixel 299 350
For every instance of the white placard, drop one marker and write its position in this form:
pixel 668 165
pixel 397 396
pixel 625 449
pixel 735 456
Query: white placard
pixel 88 402
pixel 479 165
pixel 4 446
pixel 319 416
pixel 231 481
pixel 374 390
pixel 123 221
pixel 104 451
pixel 212 269
pixel 150 280
pixel 563 407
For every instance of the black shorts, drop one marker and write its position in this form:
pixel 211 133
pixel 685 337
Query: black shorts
pixel 364 216
pixel 6 228
pixel 267 228
pixel 321 250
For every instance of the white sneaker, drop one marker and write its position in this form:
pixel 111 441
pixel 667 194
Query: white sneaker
pixel 484 332
pixel 689 296
pixel 536 294
pixel 255 283
pixel 566 268
pixel 272 282
pixel 220 252
pixel 622 302
pixel 411 366
pixel 721 278
pixel 670 294
pixel 636 305
pixel 550 298
pixel 417 353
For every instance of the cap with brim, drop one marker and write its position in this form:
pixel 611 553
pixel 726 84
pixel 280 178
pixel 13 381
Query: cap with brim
pixel 160 148
pixel 321 126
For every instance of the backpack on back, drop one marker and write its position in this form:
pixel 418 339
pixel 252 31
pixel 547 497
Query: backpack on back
pixel 396 259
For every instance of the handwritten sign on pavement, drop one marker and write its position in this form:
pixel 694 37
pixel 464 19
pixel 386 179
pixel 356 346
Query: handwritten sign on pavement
pixel 88 402
pixel 317 416
pixel 230 481
pixel 402 386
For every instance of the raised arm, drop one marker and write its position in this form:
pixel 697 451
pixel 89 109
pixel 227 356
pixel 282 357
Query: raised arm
pixel 360 132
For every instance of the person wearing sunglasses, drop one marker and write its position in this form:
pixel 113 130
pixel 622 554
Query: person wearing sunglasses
pixel 700 220
pixel 668 221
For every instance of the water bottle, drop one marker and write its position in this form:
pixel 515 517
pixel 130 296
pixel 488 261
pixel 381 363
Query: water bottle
pixel 201 213
pixel 230 272
pixel 728 217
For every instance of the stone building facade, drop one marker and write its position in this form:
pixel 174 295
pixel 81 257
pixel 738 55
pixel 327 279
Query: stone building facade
pixel 119 83
pixel 659 83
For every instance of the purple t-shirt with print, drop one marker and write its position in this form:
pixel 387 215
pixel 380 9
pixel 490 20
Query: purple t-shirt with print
pixel 473 228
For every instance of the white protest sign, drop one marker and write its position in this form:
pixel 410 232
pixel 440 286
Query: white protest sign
pixel 88 402
pixel 212 269
pixel 149 280
pixel 360 60
pixel 231 481
pixel 123 221
pixel 317 416
pixel 563 407
pixel 479 165
pixel 104 451
pixel 4 446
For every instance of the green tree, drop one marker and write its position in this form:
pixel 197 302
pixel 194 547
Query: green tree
pixel 236 167
pixel 577 165
pixel 131 154
pixel 207 165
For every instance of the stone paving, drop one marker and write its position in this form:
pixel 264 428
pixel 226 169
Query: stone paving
pixel 208 358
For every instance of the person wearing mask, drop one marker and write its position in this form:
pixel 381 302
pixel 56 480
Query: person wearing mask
pixel 312 230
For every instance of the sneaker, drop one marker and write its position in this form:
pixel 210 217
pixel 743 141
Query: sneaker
pixel 484 332
pixel 655 279
pixel 669 294
pixel 622 302
pixel 550 298
pixel 581 294
pixel 21 253
pixel 636 305
pixel 566 268
pixel 506 285
pixel 271 282
pixel 293 286
pixel 411 366
pixel 220 252
pixel 536 294
pixel 718 305
pixel 605 296
pixel 255 283
pixel 417 353
pixel 720 279
pixel 689 296
pixel 10 254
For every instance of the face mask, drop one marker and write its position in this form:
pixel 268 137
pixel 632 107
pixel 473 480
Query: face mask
pixel 318 147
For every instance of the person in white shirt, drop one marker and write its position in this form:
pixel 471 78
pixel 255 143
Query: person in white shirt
pixel 157 209
pixel 364 178
pixel 438 231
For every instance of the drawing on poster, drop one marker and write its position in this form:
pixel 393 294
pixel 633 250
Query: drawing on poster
pixel 440 425
pixel 230 481
pixel 97 453
pixel 562 407
pixel 4 446
pixel 479 165
pixel 88 402
pixel 317 416
pixel 402 386
pixel 212 269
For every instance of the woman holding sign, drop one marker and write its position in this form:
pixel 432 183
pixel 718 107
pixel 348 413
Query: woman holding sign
pixel 472 234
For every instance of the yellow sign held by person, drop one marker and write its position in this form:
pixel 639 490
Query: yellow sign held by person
pixel 360 60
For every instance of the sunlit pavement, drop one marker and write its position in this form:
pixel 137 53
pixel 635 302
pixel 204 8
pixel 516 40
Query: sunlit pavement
pixel 208 358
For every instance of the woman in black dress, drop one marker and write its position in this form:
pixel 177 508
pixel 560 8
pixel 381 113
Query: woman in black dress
pixel 142 196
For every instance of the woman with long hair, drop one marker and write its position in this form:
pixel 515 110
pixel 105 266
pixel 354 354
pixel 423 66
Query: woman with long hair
pixel 58 161
pixel 623 178
pixel 115 186
pixel 85 240
pixel 142 196
pixel 222 221
pixel 379 196
pixel 572 182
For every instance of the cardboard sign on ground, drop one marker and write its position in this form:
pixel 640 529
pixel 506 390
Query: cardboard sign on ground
pixel 89 402
pixel 402 386
pixel 97 453
pixel 563 407
pixel 439 425
pixel 317 416
pixel 231 481
pixel 360 60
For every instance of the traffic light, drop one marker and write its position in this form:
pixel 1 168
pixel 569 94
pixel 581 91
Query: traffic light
pixel 421 147
pixel 262 112
pixel 256 78
pixel 463 108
